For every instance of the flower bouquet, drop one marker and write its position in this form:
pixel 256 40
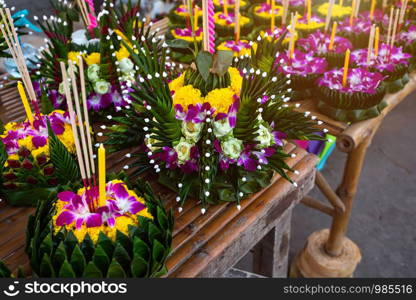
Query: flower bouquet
pixel 303 69
pixel 219 4
pixel 214 132
pixel 180 15
pixel 33 161
pixel 391 62
pixel 319 43
pixel 262 14
pixel 359 99
pixel 109 69
pixel 304 27
pixel 128 234
pixel 338 11
pixel 225 24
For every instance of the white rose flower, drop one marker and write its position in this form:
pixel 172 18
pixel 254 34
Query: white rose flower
pixel 192 131
pixel 126 65
pixel 93 73
pixel 265 137
pixel 232 147
pixel 61 88
pixel 183 148
pixel 149 142
pixel 79 37
pixel 128 78
pixel 101 87
pixel 221 128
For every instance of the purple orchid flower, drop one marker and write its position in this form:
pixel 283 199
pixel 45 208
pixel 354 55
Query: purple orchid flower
pixel 98 102
pixel 263 154
pixel 301 64
pixel 123 203
pixel 318 42
pixel 246 160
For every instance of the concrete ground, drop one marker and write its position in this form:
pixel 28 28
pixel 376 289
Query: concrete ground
pixel 383 220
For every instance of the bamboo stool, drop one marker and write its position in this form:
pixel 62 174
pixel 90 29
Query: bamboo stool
pixel 330 248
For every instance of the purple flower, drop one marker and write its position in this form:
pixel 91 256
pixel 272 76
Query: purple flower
pixel 267 8
pixel 264 154
pixel 408 36
pixel 358 80
pixel 187 32
pixel 237 46
pixel 318 43
pixel 98 102
pixel 246 160
pixel 359 26
pixel 123 202
pixel 301 64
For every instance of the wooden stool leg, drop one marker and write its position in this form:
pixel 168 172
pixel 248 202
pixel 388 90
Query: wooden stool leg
pixel 270 257
pixel 347 191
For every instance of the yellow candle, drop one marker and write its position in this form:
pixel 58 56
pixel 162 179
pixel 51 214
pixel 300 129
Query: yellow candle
pixel 26 104
pixel 102 175
pixel 346 65
pixel 373 7
pixel 341 2
pixel 334 32
pixel 226 7
pixel 273 16
pixel 292 45
pixel 196 18
pixel 354 3
pixel 309 16
pixel 376 41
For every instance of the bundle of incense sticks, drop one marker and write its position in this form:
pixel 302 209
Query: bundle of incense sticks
pixel 87 12
pixel 285 11
pixel 82 135
pixel 10 35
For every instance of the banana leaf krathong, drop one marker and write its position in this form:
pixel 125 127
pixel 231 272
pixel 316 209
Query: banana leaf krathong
pixel 216 130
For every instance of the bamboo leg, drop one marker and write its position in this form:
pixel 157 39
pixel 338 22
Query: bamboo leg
pixel 347 191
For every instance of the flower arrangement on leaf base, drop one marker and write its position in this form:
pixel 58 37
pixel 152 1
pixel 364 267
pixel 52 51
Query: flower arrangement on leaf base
pixel 304 69
pixel 338 11
pixel 319 43
pixel 225 25
pixel 407 39
pixel 239 48
pixel 180 15
pixel 214 132
pixel 357 33
pixel 110 70
pixel 392 62
pixel 277 33
pixel 129 236
pixel 219 4
pixel 262 14
pixel 306 27
pixel 359 99
pixel 30 155
pixel 182 41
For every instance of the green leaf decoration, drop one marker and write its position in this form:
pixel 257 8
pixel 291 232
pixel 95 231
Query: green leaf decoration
pixel 71 242
pixel 123 240
pixel 78 262
pixel 4 271
pixel 46 268
pixel 101 260
pixel 178 44
pixel 162 219
pixel 158 253
pixel 140 249
pixel 91 271
pixel 122 257
pixel 106 244
pixel 65 166
pixel 46 246
pixel 222 61
pixel 139 267
pixel 59 257
pixel 154 233
pixel 204 62
pixel 115 270
pixel 87 247
pixel 66 270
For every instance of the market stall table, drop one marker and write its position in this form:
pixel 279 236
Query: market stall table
pixel 203 245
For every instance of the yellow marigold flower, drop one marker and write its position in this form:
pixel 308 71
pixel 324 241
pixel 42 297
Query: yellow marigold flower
pixel 267 14
pixel 338 11
pixel 184 11
pixel 11 126
pixel 26 143
pixel 186 96
pixel 236 80
pixel 74 56
pixel 122 53
pixel 93 58
pixel 244 51
pixel 222 22
pixel 123 222
pixel 41 151
pixel 311 26
pixel 221 99
pixel 177 83
pixel 187 38
pixel 67 138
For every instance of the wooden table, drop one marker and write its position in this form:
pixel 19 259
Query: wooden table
pixel 203 245
pixel 353 139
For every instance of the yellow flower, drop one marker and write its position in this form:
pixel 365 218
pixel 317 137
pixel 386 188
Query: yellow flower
pixel 267 14
pixel 222 22
pixel 186 38
pixel 221 99
pixel 122 53
pixel 337 10
pixel 311 26
pixel 230 5
pixel 186 96
pixel 93 58
pixel 120 34
pixel 26 143
pixel 74 56
pixel 177 83
pixel 236 80
pixel 244 51
pixel 41 151
pixel 186 13
pixel 67 138
pixel 11 157
pixel 285 40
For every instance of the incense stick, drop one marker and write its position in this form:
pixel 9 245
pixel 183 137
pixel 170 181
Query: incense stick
pixel 285 11
pixel 329 14
pixel 390 25
pixel 370 43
